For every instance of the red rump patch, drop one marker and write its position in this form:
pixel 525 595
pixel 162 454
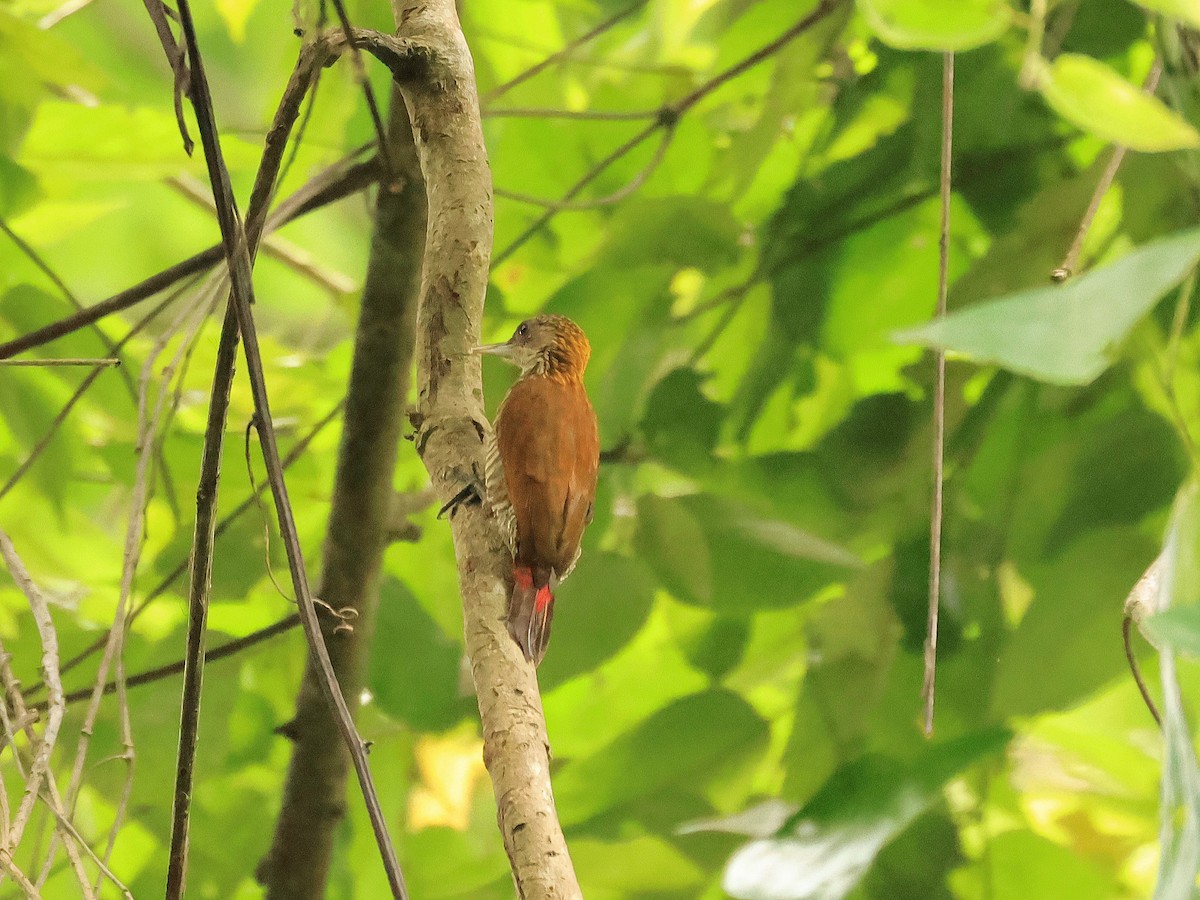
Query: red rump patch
pixel 543 599
pixel 523 578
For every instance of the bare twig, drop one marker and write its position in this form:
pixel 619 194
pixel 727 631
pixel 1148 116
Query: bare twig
pixel 47 270
pixel 295 258
pixel 1067 268
pixel 238 255
pixel 616 197
pixel 928 688
pixel 564 53
pixel 579 115
pixel 134 538
pixel 360 74
pixel 177 60
pixel 344 178
pixel 182 566
pixel 66 361
pixel 1135 669
pixel 39 771
pixel 573 191
pixel 87 382
pixel 230 648
pixel 667 118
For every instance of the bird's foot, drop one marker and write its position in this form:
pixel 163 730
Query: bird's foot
pixel 471 493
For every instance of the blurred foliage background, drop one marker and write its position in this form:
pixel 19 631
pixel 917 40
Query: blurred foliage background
pixel 732 690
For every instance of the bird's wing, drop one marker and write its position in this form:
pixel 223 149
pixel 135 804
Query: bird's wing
pixel 581 492
pixel 546 434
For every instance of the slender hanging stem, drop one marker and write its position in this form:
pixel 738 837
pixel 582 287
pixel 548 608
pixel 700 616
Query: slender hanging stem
pixel 928 689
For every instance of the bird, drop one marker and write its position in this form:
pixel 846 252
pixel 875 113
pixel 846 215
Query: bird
pixel 541 466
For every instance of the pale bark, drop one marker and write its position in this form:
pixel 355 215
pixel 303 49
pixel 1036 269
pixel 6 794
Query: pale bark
pixel 444 108
pixel 432 67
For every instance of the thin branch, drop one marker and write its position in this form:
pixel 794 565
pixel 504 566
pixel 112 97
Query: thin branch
pixel 1067 268
pixel 177 60
pixel 134 534
pixel 295 258
pixel 236 242
pixel 65 361
pixel 360 75
pixel 222 526
pixel 616 197
pixel 578 115
pixel 341 180
pixel 564 53
pixel 668 118
pixel 47 270
pixel 40 769
pixel 928 688
pixel 591 175
pixel 1136 671
pixel 55 806
pixel 226 650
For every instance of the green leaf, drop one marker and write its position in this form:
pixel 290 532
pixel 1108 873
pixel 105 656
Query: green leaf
pixel 680 424
pixel 235 13
pixel 693 738
pixel 1064 334
pixel 636 867
pixel 413 669
pixel 826 848
pixel 597 611
pixel 710 551
pixel 936 24
pixel 1185 11
pixel 1072 621
pixel 1178 628
pixel 678 231
pixel 1093 96
pixel 1179 803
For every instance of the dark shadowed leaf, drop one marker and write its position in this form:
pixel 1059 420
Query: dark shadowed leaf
pixel 712 552
pixel 413 671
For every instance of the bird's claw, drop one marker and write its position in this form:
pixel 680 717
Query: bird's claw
pixel 472 492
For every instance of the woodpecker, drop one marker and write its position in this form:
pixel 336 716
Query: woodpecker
pixel 542 462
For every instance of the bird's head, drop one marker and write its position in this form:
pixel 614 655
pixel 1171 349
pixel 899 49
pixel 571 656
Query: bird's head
pixel 545 345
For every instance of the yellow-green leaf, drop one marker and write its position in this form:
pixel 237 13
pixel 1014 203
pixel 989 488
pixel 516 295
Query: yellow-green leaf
pixel 1186 11
pixel 936 24
pixel 1093 96
pixel 235 13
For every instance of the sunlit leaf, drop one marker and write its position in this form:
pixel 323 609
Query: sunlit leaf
pixel 1184 11
pixel 235 13
pixel 688 740
pixel 936 24
pixel 1093 96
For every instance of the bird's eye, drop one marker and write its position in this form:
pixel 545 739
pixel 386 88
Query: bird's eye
pixel 523 329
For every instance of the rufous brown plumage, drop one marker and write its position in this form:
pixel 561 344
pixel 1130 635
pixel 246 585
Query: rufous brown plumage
pixel 542 465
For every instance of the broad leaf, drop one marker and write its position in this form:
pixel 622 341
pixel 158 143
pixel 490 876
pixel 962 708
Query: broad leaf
pixel 1093 96
pixel 682 744
pixel 1064 334
pixel 936 24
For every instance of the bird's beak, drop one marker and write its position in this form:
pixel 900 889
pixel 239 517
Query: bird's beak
pixel 504 349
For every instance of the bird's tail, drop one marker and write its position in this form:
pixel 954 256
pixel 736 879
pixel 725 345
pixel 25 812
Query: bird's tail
pixel 530 611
